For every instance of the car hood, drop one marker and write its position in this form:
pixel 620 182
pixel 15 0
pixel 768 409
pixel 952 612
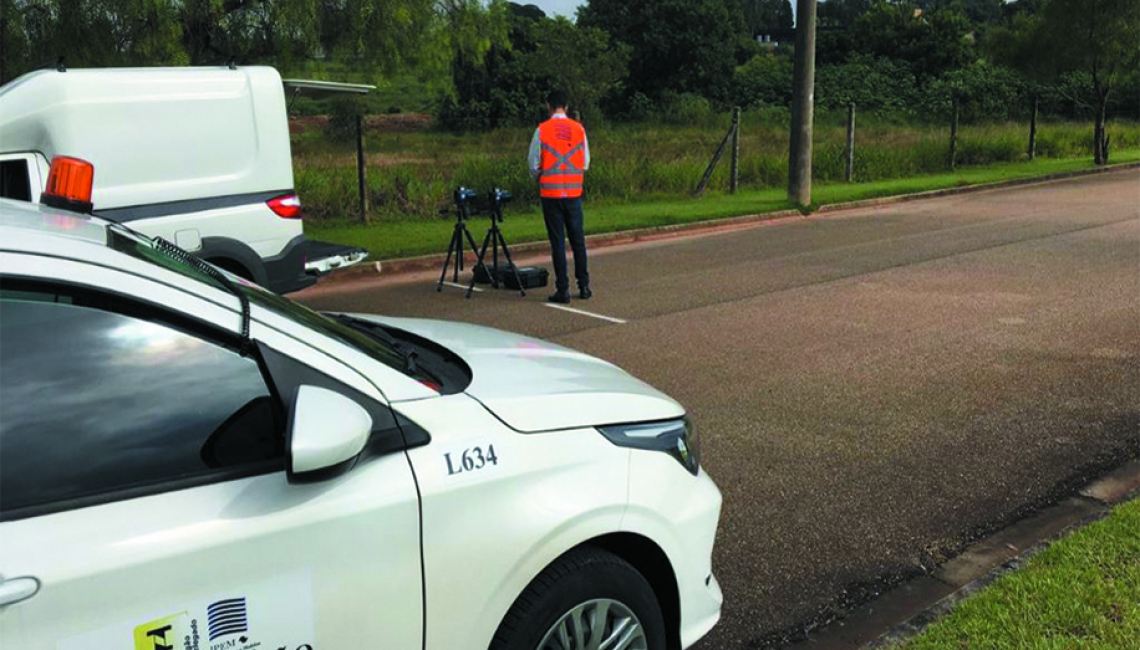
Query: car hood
pixel 532 385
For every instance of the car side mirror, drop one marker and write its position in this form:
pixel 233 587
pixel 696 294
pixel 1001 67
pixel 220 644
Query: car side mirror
pixel 327 432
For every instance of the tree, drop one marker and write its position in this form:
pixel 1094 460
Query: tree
pixel 765 16
pixel 1064 40
pixel 842 13
pixel 386 35
pixel 683 46
pixel 532 12
pixel 509 85
pixel 1099 37
pixel 580 60
pixel 933 42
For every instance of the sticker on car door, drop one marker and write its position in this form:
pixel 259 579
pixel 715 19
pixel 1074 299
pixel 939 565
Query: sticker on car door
pixel 272 615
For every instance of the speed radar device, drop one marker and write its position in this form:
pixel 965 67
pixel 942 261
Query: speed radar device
pixel 463 198
pixel 494 238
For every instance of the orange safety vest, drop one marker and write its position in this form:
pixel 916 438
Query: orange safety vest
pixel 563 158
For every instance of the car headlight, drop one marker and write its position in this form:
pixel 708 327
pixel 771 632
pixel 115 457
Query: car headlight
pixel 677 438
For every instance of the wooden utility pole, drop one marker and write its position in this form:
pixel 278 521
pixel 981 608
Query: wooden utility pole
pixel 850 175
pixel 1033 130
pixel 735 150
pixel 361 168
pixel 803 105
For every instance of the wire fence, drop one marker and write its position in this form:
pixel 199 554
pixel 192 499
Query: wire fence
pixel 403 167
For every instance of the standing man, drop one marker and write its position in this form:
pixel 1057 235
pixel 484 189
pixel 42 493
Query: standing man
pixel 559 158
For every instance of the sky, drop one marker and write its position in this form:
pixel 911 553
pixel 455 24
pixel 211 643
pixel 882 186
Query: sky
pixel 558 7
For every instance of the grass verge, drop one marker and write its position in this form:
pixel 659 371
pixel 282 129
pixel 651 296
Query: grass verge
pixel 389 239
pixel 1081 592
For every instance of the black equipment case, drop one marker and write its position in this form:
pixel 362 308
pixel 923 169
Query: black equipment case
pixel 532 277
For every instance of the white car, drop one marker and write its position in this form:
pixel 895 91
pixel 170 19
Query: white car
pixel 190 461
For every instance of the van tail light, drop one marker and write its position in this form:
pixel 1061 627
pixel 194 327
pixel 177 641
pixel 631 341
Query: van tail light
pixel 286 206
pixel 69 184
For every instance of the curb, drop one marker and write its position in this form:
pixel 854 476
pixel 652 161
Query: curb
pixel 907 609
pixel 389 269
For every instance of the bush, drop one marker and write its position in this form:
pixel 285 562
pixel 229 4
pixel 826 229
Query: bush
pixel 986 93
pixel 686 108
pixel 879 85
pixel 766 80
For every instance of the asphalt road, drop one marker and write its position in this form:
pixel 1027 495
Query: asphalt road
pixel 874 388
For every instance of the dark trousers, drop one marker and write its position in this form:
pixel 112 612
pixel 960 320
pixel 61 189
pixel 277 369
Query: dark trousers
pixel 564 218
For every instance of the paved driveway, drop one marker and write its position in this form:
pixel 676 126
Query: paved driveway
pixel 874 388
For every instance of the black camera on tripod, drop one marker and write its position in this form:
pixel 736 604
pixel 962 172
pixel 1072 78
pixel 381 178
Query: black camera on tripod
pixel 509 275
pixel 464 199
pixel 498 199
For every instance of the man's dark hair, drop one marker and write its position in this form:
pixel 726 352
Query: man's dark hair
pixel 557 99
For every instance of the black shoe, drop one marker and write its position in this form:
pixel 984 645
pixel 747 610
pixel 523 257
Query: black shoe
pixel 560 297
pixel 585 294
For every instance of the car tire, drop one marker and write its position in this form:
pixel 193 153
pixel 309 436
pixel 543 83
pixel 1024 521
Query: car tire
pixel 564 603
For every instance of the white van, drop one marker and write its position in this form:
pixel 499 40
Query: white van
pixel 197 156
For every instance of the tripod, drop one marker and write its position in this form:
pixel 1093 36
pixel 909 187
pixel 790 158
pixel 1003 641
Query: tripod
pixel 462 214
pixel 495 239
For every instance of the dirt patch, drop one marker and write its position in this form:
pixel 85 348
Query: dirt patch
pixel 398 123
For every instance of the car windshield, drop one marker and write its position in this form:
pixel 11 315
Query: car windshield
pixel 137 246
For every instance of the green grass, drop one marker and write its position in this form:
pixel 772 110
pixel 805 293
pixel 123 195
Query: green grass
pixel 1082 592
pixel 394 238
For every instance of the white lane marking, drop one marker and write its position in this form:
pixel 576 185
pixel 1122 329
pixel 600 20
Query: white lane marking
pixel 462 286
pixel 585 313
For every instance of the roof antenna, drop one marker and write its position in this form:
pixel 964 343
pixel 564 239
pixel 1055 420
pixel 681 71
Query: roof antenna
pixel 233 63
pixel 59 66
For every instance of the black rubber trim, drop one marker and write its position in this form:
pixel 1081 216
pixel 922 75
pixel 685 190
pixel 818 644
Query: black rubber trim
pixel 135 492
pixel 151 210
pixel 64 203
pixel 226 248
pixel 285 272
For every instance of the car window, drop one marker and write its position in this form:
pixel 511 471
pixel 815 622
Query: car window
pixel 15 182
pixel 94 401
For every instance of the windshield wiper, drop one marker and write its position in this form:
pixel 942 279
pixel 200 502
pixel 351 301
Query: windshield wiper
pixel 193 261
pixel 405 353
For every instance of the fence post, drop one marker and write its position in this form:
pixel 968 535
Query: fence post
pixel 1033 130
pixel 954 135
pixel 850 175
pixel 712 164
pixel 361 168
pixel 735 150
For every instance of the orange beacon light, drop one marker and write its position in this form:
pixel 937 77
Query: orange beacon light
pixel 69 184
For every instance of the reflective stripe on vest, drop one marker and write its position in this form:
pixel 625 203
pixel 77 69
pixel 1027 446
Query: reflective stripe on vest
pixel 563 158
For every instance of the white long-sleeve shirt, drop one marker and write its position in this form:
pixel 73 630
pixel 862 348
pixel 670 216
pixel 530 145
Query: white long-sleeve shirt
pixel 534 159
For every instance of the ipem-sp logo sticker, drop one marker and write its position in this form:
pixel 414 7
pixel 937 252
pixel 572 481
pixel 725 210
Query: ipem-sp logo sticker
pixel 276 614
pixel 165 633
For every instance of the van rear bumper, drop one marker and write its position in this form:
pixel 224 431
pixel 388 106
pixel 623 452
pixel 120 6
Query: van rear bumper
pixel 285 273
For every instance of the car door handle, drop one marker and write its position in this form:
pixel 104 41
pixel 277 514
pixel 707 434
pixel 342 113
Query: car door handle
pixel 17 589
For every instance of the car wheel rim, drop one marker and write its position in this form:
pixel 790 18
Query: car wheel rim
pixel 601 624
